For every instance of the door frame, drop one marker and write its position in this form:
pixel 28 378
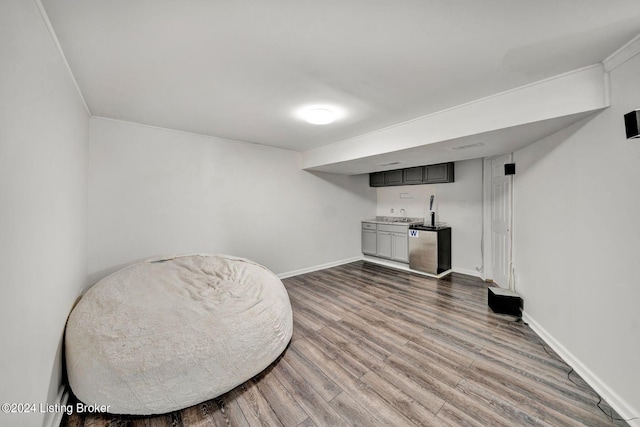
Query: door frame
pixel 487 230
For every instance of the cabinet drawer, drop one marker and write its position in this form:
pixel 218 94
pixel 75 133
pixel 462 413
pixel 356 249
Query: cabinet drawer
pixel 369 226
pixel 393 228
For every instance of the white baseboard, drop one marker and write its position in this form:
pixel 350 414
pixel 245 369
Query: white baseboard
pixel 625 410
pixel 53 419
pixel 375 260
pixel 402 266
pixel 386 262
pixel 318 267
pixel 474 273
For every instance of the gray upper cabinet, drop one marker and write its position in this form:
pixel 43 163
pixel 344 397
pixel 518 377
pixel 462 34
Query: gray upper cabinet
pixel 413 175
pixel 376 179
pixel 393 177
pixel 439 173
pixel 430 174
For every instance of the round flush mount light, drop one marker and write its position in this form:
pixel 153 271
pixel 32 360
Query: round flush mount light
pixel 319 116
pixel 320 113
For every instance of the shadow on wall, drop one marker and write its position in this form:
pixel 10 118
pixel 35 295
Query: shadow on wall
pixel 550 143
pixel 357 184
pixel 350 189
pixel 95 277
pixel 58 375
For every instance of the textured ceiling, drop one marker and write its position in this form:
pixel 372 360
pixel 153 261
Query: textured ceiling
pixel 241 69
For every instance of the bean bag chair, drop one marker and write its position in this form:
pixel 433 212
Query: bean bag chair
pixel 166 334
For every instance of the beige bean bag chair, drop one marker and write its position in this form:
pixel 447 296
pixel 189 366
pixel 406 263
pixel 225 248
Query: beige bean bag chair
pixel 166 334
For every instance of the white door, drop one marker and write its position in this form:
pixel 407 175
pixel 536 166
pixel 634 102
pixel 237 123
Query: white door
pixel 501 193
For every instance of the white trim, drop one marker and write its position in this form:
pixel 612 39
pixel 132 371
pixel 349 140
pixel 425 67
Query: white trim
pixel 473 273
pixel 189 133
pixel 487 260
pixel 405 267
pixel 622 55
pixel 514 220
pixel 511 209
pixel 402 266
pixel 53 419
pixel 624 409
pixel 487 212
pixel 318 267
pixel 607 88
pixel 576 91
pixel 474 101
pixel 56 42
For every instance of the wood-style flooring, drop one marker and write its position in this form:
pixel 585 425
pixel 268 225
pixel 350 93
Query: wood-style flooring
pixel 378 346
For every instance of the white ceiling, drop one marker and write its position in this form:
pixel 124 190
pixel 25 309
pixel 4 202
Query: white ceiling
pixel 241 69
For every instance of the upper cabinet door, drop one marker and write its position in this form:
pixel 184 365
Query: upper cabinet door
pixel 376 179
pixel 438 173
pixel 413 175
pixel 432 174
pixel 393 177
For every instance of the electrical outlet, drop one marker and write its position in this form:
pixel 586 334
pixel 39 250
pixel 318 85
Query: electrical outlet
pixel 391 210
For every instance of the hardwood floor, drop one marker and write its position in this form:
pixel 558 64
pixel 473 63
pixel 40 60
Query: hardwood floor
pixel 378 346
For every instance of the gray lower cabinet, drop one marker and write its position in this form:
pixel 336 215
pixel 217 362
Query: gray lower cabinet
pixel 369 242
pixel 384 244
pixel 386 241
pixel 400 247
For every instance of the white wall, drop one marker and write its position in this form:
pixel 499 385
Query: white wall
pixel 156 191
pixel 577 241
pixel 459 204
pixel 43 207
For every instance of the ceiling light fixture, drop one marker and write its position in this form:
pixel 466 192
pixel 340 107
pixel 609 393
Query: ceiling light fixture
pixel 319 116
